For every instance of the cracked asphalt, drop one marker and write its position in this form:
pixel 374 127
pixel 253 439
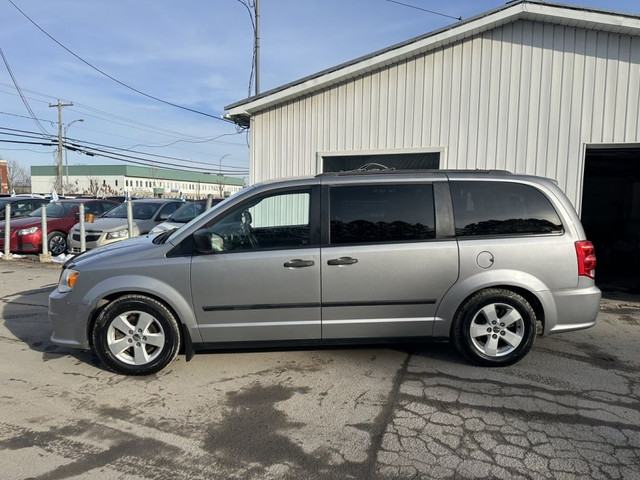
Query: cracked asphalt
pixel 569 410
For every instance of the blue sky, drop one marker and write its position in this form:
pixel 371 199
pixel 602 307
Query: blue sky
pixel 196 54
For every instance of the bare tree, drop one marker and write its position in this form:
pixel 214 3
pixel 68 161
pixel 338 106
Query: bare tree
pixel 18 177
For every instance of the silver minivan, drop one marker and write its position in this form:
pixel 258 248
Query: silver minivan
pixel 484 259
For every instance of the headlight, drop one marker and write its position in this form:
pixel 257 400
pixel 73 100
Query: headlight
pixel 28 231
pixel 119 234
pixel 67 280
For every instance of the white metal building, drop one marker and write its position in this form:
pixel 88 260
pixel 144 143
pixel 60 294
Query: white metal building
pixel 529 87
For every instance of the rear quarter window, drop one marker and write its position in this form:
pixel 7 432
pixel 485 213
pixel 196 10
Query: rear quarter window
pixel 502 208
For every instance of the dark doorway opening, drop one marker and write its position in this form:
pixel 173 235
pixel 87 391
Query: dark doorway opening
pixel 396 161
pixel 611 215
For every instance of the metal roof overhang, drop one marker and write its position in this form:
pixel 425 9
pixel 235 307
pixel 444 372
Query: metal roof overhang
pixel 572 16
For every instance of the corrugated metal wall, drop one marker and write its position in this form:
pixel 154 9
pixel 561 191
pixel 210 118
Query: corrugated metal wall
pixel 525 97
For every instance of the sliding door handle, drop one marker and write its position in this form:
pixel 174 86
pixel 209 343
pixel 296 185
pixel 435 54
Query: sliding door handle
pixel 342 261
pixel 299 263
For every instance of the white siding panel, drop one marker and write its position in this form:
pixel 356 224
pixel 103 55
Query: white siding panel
pixel 527 96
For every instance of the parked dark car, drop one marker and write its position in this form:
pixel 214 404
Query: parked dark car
pixel 186 213
pixel 20 206
pixel 26 232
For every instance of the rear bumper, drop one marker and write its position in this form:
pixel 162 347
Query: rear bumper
pixel 575 309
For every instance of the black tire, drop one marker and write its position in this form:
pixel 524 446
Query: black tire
pixel 57 243
pixel 494 327
pixel 127 346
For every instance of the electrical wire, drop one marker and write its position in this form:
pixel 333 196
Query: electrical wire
pixel 152 97
pixel 24 100
pixel 421 9
pixel 80 109
pixel 92 149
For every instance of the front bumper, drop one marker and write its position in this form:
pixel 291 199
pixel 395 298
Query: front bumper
pixel 92 241
pixel 23 243
pixel 69 321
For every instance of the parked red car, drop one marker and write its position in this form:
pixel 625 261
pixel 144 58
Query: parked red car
pixel 26 232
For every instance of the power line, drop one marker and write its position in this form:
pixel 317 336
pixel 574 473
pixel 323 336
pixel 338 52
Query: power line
pixel 106 151
pixel 122 121
pixel 24 100
pixel 422 9
pixel 115 79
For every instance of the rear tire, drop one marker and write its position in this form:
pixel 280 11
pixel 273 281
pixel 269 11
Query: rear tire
pixel 494 327
pixel 136 335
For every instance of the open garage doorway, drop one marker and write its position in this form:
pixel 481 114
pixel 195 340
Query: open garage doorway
pixel 611 215
pixel 397 161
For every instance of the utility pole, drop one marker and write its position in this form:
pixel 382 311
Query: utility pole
pixel 59 107
pixel 257 46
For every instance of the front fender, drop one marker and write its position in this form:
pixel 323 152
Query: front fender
pixel 504 278
pixel 178 301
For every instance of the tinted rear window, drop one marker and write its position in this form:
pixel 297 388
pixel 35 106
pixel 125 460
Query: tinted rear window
pixel 502 208
pixel 381 214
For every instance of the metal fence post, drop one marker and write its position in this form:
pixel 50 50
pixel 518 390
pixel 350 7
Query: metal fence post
pixel 45 256
pixel 130 217
pixel 7 233
pixel 83 240
pixel 45 243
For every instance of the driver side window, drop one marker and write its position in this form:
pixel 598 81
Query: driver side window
pixel 273 222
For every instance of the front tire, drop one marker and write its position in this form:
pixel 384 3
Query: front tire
pixel 136 335
pixel 57 243
pixel 494 327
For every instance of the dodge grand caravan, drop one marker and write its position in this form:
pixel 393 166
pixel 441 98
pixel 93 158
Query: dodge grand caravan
pixel 484 259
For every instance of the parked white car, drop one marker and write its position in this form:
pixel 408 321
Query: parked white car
pixel 113 226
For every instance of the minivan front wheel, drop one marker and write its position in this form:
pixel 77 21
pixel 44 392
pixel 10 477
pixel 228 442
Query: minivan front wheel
pixel 494 327
pixel 136 335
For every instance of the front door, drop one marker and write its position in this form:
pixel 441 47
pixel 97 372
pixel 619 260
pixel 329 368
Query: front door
pixel 263 282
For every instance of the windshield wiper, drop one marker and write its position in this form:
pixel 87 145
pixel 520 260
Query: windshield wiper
pixel 161 238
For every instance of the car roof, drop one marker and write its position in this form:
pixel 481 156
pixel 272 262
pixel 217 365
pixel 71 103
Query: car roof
pixel 156 200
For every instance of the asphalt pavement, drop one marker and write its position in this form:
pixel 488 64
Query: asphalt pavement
pixel 570 409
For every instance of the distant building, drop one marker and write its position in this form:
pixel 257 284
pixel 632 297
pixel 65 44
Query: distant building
pixel 4 177
pixel 105 180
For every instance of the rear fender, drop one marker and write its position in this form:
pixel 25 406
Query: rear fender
pixel 497 278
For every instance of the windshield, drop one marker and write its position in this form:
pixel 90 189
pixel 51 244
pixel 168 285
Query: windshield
pixel 187 212
pixel 141 210
pixel 55 210
pixel 244 191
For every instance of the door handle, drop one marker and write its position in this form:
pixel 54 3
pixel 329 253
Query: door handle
pixel 342 261
pixel 299 263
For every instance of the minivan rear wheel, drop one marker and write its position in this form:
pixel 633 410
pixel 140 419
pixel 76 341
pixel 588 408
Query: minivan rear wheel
pixel 494 327
pixel 136 335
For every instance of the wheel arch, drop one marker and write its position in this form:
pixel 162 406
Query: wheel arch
pixel 527 286
pixel 529 296
pixel 104 293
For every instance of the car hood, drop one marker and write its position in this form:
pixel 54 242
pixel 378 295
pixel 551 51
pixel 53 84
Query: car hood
pixel 26 222
pixel 136 247
pixel 105 225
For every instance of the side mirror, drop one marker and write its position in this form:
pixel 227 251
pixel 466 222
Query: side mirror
pixel 163 217
pixel 206 242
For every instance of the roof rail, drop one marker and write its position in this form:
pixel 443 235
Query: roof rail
pixel 391 171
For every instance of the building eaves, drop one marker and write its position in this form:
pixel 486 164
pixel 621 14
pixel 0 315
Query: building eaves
pixel 534 10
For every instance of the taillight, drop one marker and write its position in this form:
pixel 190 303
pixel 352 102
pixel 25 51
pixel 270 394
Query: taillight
pixel 586 259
